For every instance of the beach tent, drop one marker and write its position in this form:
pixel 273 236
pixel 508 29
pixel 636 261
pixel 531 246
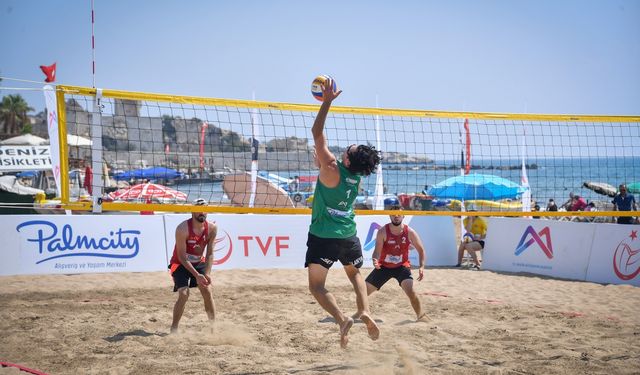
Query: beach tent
pixel 25 140
pixel 150 173
pixel 476 186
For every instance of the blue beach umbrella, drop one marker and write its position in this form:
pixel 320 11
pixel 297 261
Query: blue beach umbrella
pixel 150 173
pixel 476 186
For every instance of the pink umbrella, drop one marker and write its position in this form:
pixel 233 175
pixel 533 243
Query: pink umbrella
pixel 148 193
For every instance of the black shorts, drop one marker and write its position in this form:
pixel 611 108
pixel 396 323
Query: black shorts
pixel 182 277
pixel 481 243
pixel 379 276
pixel 325 251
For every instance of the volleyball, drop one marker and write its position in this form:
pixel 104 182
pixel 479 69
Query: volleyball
pixel 316 85
pixel 467 237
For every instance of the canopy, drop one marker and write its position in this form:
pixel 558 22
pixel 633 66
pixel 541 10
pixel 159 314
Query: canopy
pixel 148 193
pixel 25 140
pixel 601 188
pixel 150 173
pixel 476 186
pixel 75 140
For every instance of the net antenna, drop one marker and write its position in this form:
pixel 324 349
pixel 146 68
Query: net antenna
pixel 93 47
pixel 255 145
pixel 379 191
pixel 98 173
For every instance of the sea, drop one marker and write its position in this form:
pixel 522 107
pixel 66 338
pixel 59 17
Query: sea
pixel 551 178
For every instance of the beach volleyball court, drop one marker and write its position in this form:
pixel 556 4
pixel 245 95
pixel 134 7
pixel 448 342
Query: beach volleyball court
pixel 268 323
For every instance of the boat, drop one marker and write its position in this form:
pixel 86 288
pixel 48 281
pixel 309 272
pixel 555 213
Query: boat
pixel 16 198
pixel 237 187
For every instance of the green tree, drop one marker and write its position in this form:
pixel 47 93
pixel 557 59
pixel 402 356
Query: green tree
pixel 13 112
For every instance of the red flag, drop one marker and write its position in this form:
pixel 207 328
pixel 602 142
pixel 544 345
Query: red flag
pixel 202 133
pixel 467 165
pixel 88 180
pixel 49 71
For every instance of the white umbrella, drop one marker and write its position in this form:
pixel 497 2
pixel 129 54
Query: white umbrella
pixel 25 139
pixel 75 140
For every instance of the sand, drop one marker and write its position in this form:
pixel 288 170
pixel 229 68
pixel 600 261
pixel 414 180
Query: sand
pixel 268 323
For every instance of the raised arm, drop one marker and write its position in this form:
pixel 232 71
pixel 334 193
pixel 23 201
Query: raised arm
pixel 329 174
pixel 422 258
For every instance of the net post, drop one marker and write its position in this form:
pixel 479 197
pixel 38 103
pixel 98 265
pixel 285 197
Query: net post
pixel 64 159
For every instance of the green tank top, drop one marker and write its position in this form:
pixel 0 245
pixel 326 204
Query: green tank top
pixel 332 210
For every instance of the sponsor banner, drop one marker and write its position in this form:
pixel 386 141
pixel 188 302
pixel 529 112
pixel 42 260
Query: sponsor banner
pixel 252 241
pixel 615 255
pixel 545 247
pixel 438 238
pixel 24 158
pixel 280 241
pixel 50 244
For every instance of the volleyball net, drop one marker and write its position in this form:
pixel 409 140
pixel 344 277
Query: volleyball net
pixel 160 152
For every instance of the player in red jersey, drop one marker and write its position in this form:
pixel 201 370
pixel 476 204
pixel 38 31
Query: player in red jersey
pixel 190 266
pixel 391 260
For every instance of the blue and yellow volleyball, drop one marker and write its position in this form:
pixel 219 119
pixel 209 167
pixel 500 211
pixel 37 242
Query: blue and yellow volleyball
pixel 316 85
pixel 467 237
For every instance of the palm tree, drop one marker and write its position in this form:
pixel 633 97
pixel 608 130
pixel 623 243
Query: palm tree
pixel 13 112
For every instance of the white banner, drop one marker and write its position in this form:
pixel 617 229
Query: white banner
pixel 50 244
pixel 52 126
pixel 24 158
pixel 252 241
pixel 545 247
pixel 439 239
pixel 615 255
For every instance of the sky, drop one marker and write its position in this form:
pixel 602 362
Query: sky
pixel 543 56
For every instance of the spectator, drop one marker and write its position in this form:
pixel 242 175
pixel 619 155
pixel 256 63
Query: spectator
pixel 473 239
pixel 294 185
pixel 536 208
pixel 551 206
pixel 567 205
pixel 578 204
pixel 624 202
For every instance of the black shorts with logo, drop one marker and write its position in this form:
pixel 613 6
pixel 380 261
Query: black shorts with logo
pixel 182 277
pixel 326 251
pixel 379 276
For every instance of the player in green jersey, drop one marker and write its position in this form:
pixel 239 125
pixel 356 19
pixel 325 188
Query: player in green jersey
pixel 332 233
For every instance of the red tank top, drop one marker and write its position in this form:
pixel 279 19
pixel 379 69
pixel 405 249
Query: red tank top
pixel 395 250
pixel 194 255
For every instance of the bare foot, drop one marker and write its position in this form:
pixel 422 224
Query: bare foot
pixel 423 318
pixel 344 332
pixel 174 330
pixel 372 327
